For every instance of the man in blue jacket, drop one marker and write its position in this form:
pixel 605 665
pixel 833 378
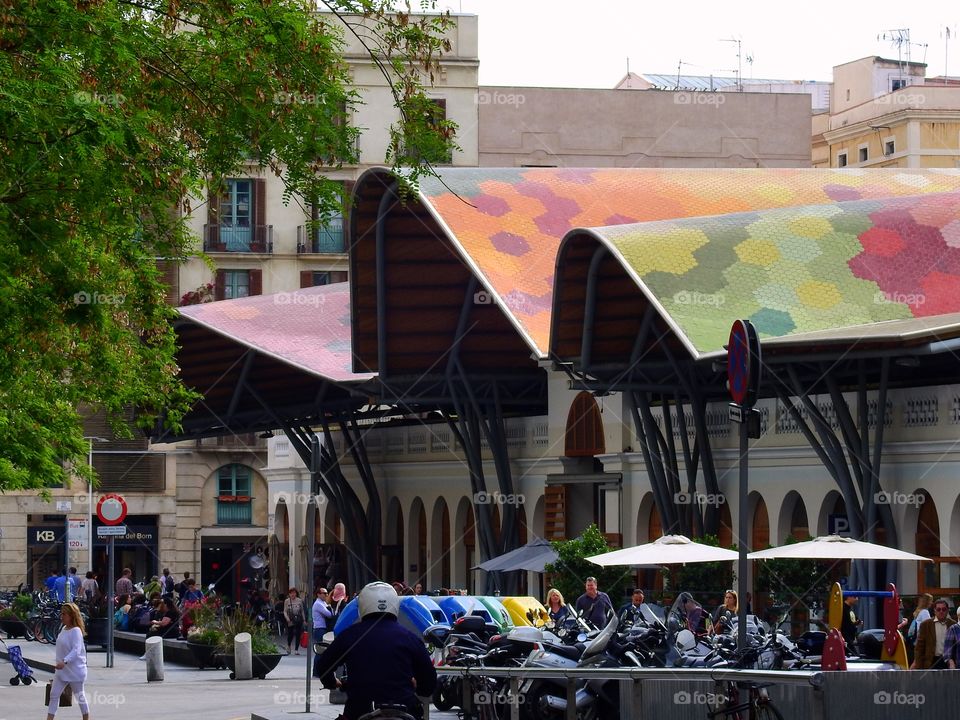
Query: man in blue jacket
pixel 386 663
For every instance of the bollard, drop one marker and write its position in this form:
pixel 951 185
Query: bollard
pixel 154 656
pixel 242 657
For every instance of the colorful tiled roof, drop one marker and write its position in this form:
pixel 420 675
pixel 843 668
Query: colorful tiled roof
pixel 513 219
pixel 798 270
pixel 308 328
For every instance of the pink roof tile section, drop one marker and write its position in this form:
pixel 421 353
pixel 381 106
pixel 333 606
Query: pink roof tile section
pixel 308 328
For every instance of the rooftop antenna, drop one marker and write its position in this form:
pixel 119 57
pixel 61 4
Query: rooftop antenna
pixel 900 37
pixel 947 34
pixel 739 63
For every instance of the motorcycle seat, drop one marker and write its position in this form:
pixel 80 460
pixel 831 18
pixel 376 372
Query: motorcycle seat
pixel 571 652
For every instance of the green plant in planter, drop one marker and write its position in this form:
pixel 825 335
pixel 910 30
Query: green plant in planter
pixel 206 636
pixel 22 605
pixel 261 642
pixel 8 614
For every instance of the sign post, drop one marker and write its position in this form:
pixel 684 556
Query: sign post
pixel 112 510
pixel 743 378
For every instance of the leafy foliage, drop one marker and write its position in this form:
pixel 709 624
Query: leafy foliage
pixel 571 569
pixel 261 642
pixel 114 116
pixel 706 581
pixel 793 580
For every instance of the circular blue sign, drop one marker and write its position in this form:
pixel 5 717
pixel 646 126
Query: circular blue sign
pixel 743 363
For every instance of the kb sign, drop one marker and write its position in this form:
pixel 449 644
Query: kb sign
pixel 39 535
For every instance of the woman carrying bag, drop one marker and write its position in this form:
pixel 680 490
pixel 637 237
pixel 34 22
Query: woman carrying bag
pixel 293 613
pixel 71 665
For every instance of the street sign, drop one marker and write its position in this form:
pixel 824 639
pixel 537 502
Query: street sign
pixel 111 530
pixel 737 413
pixel 743 363
pixel 112 509
pixel 77 534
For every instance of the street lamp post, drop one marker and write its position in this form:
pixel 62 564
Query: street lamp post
pixel 90 440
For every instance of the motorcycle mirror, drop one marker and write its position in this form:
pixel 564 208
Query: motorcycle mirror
pixel 673 623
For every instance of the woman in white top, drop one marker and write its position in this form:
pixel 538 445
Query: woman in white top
pixel 71 662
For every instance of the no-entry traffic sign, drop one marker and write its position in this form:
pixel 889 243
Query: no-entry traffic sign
pixel 112 509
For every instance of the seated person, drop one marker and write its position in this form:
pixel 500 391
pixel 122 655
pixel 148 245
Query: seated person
pixel 725 615
pixel 141 613
pixel 167 623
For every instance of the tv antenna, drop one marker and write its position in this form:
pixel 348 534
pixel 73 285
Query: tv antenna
pixel 900 38
pixel 739 42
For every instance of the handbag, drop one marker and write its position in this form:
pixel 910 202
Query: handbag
pixel 66 697
pixel 304 639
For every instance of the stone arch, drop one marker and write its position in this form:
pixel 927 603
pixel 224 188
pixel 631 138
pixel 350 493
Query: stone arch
pixel 927 527
pixel 280 550
pixel 793 518
pixel 644 511
pixel 832 504
pixel 332 530
pixel 725 532
pixel 392 550
pixel 584 430
pixel 416 544
pixel 439 551
pixel 759 522
pixel 240 497
pixel 953 538
pixel 464 545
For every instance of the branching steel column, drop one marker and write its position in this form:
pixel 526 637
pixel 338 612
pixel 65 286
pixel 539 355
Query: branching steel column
pixel 241 382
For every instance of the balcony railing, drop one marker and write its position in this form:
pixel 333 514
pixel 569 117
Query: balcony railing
pixel 234 510
pixel 229 238
pixel 326 239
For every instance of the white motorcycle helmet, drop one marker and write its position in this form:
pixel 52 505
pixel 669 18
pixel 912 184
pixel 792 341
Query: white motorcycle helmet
pixel 378 597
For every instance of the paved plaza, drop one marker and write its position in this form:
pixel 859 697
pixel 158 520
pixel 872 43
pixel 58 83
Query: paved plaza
pixel 122 692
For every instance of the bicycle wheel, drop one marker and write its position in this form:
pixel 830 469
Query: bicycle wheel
pixel 767 711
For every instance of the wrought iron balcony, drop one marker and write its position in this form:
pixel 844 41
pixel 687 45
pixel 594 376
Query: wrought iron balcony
pixel 230 238
pixel 234 510
pixel 326 239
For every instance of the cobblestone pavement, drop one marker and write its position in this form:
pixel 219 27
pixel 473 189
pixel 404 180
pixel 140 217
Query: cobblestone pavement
pixel 123 693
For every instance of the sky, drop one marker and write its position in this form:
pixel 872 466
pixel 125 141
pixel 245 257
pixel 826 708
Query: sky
pixel 561 43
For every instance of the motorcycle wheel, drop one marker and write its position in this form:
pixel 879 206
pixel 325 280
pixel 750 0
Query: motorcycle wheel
pixel 443 697
pixel 535 704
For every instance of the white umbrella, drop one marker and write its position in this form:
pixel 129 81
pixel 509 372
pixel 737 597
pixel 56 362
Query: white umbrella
pixel 668 550
pixel 834 547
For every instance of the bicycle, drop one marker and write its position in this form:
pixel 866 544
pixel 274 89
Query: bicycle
pixel 758 705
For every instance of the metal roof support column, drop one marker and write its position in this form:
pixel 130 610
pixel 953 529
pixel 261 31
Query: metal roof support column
pixel 590 310
pixel 381 269
pixel 241 382
pixel 469 435
pixel 690 463
pixel 653 440
pixel 454 356
pixel 671 466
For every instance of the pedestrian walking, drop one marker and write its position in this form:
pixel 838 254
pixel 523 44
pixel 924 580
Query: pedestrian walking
pixel 294 615
pixel 594 605
pixel 71 661
pixel 931 639
pixel 338 601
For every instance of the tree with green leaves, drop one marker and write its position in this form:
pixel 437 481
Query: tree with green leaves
pixel 571 568
pixel 115 115
pixel 705 581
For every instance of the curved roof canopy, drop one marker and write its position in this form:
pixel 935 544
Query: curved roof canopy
pixel 264 359
pixel 503 227
pixel 879 271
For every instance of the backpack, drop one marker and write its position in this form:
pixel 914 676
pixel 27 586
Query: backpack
pixel 168 585
pixel 121 620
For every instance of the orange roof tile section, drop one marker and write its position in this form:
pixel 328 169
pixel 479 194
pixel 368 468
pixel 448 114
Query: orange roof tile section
pixel 510 221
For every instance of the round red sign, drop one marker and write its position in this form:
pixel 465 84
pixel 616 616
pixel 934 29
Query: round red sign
pixel 112 509
pixel 743 363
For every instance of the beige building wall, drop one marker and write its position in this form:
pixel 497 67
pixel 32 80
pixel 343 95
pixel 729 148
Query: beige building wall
pixel 653 128
pixel 860 81
pixel 922 122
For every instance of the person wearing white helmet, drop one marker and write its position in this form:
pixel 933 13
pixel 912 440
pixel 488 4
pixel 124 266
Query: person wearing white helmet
pixel 386 663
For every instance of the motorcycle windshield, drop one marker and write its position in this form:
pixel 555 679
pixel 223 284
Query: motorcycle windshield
pixel 600 642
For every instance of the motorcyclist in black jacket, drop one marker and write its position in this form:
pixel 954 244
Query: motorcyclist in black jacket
pixel 386 663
